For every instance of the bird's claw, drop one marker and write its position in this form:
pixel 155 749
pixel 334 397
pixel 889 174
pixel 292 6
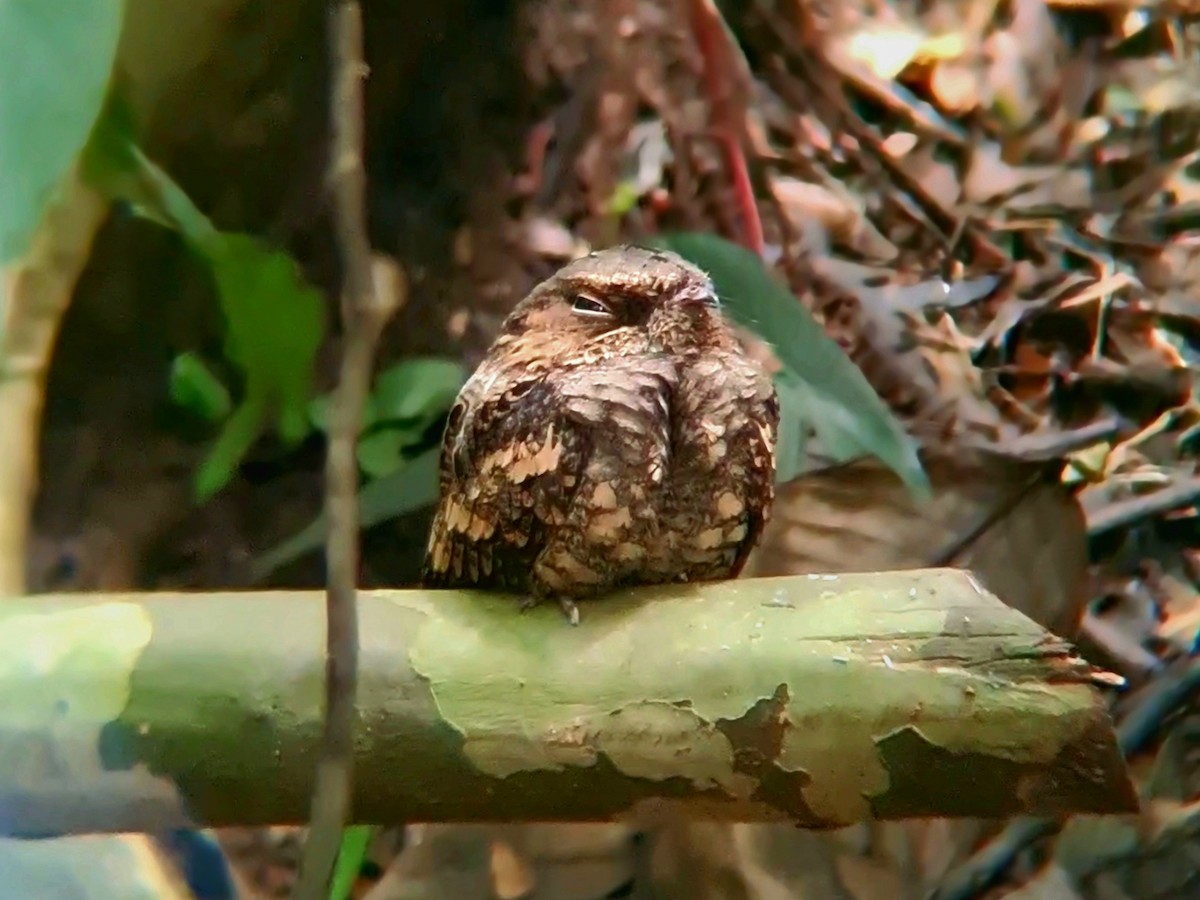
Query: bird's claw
pixel 570 610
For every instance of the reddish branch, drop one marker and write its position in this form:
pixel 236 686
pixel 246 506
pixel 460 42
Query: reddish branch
pixel 726 83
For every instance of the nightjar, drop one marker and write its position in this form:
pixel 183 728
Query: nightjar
pixel 615 434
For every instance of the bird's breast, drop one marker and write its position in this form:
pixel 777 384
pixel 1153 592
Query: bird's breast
pixel 721 454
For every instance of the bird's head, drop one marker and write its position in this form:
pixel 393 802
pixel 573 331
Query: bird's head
pixel 615 298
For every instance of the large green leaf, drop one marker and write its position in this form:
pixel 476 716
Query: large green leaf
pixel 821 387
pixel 55 60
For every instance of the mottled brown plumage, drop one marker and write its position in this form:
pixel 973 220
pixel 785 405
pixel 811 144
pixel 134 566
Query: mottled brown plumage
pixel 616 434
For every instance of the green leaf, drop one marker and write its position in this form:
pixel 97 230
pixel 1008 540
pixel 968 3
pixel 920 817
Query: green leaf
pixel 275 325
pixel 408 398
pixel 238 435
pixel 416 390
pixel 274 319
pixel 826 390
pixel 114 164
pixel 318 412
pixel 55 60
pixel 793 455
pixel 161 200
pixel 356 840
pixel 195 388
pixel 380 452
pixel 410 487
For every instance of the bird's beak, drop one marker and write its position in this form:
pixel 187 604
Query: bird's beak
pixel 694 297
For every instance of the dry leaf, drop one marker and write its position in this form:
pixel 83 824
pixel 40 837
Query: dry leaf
pixel 955 86
pixel 1051 883
pixel 512 875
pixel 577 861
pixel 439 861
pixel 836 211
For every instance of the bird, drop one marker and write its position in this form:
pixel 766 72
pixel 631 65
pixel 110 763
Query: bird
pixel 616 433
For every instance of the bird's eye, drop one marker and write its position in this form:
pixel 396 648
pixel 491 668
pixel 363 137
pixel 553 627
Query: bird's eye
pixel 587 305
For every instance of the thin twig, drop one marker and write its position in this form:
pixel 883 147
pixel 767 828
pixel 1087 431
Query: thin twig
pixel 1158 701
pixel 1183 492
pixel 364 312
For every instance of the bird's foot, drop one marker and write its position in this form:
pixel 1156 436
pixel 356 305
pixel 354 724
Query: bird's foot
pixel 570 610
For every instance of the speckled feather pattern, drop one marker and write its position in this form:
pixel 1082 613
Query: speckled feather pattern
pixel 592 452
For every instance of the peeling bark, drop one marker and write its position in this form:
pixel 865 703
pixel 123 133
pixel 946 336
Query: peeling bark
pixel 820 700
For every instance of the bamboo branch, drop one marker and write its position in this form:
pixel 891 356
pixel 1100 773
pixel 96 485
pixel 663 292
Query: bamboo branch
pixel 35 294
pixel 1154 703
pixel 821 700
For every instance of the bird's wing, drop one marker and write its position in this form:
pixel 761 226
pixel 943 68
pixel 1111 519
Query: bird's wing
pixel 510 465
pixel 756 440
pixel 514 462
